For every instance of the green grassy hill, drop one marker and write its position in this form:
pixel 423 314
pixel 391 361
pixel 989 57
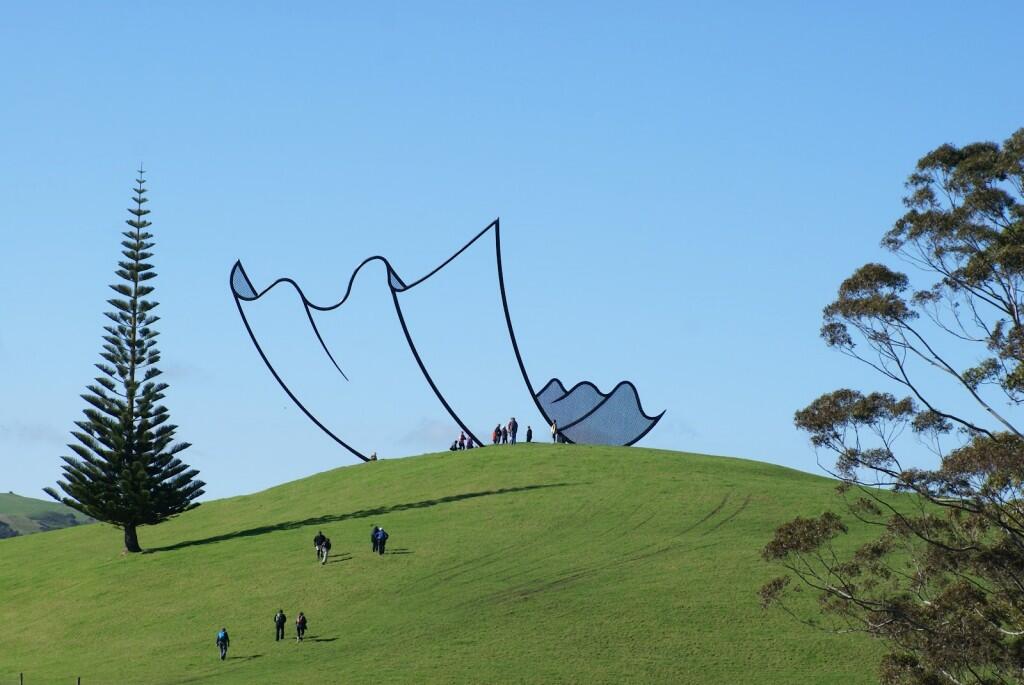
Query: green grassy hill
pixel 23 515
pixel 534 563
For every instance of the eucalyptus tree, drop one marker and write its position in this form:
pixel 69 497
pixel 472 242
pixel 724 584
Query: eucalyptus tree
pixel 942 582
pixel 125 470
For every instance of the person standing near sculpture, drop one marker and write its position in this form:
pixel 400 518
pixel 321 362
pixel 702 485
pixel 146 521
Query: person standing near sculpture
pixel 529 434
pixel 513 428
pixel 554 431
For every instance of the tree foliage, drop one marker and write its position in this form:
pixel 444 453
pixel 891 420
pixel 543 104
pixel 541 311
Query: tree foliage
pixel 943 582
pixel 126 471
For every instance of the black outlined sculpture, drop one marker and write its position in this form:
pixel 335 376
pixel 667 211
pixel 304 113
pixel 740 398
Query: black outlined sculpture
pixel 584 414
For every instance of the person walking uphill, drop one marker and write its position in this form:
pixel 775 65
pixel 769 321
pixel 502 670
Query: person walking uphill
pixel 300 627
pixel 279 620
pixel 222 642
pixel 374 539
pixel 382 538
pixel 317 541
pixel 325 548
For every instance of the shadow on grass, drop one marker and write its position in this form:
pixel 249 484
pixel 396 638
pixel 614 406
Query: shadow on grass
pixel 320 639
pixel 399 550
pixel 340 558
pixel 244 658
pixel 361 513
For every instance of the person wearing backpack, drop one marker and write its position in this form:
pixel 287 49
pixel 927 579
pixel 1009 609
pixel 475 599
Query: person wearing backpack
pixel 382 538
pixel 317 541
pixel 222 642
pixel 279 621
pixel 325 547
pixel 300 627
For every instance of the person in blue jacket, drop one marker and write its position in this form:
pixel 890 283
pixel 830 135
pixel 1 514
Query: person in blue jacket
pixel 222 642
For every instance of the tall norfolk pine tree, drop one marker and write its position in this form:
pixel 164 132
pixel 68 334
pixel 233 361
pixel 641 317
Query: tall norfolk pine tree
pixel 126 472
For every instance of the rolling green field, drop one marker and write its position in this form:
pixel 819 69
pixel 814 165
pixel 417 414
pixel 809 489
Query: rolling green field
pixel 24 515
pixel 525 564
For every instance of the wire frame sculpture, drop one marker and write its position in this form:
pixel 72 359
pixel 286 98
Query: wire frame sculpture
pixel 583 413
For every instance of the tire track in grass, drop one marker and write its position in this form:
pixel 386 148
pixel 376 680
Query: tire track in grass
pixel 572 575
pixel 730 517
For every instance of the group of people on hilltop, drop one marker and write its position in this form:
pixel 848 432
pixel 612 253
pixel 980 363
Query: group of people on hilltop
pixel 501 435
pixel 506 435
pixel 461 443
pixel 322 543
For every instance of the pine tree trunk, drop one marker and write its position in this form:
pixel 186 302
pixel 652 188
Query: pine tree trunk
pixel 131 539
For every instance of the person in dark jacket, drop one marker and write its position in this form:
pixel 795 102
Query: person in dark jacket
pixel 529 434
pixel 504 435
pixel 325 548
pixel 382 538
pixel 279 620
pixel 317 541
pixel 496 435
pixel 300 627
pixel 374 539
pixel 222 642
pixel 513 428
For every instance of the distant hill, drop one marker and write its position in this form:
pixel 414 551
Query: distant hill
pixel 24 515
pixel 511 564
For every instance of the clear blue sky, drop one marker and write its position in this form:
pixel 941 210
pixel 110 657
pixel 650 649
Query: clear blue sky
pixel 681 186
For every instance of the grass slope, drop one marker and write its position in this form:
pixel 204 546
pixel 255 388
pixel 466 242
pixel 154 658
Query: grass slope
pixel 534 563
pixel 23 515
